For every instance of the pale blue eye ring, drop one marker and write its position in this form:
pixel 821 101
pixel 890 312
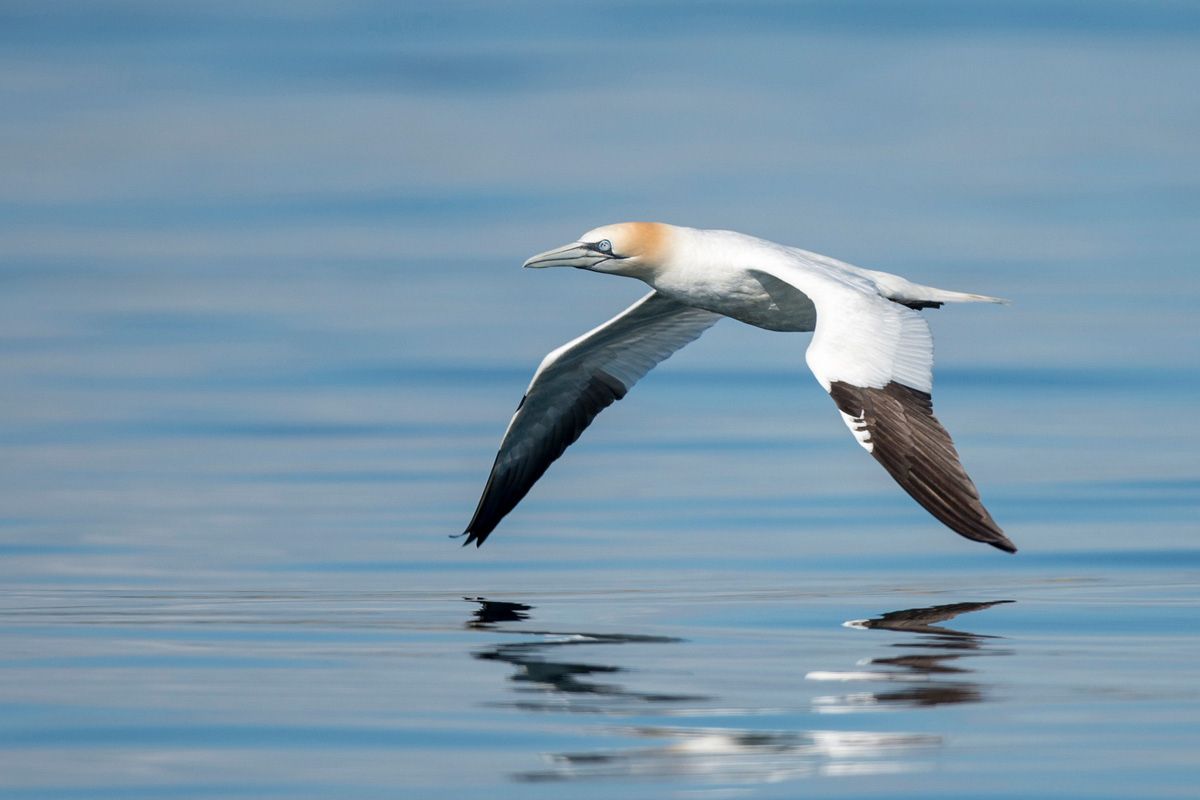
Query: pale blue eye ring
pixel 604 246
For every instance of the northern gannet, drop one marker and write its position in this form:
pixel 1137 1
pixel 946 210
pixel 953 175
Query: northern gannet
pixel 870 350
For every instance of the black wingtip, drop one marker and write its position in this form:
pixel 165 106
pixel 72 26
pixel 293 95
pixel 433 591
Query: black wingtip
pixel 473 537
pixel 987 531
pixel 907 439
pixel 470 538
pixel 1005 545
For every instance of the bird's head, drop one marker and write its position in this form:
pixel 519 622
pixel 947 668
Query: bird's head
pixel 636 249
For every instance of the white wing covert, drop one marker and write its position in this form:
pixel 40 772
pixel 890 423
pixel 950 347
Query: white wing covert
pixel 875 358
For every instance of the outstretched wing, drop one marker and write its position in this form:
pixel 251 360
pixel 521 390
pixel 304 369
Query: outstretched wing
pixel 574 384
pixel 875 358
pixel 897 426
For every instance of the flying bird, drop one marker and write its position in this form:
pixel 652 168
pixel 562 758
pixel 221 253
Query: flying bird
pixel 870 350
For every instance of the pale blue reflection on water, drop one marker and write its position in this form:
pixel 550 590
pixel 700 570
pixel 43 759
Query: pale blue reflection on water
pixel 262 324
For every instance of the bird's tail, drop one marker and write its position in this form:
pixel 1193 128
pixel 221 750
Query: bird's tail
pixel 914 295
pixel 943 296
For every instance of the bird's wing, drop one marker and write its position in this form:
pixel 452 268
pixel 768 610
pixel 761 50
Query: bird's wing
pixel 574 384
pixel 875 358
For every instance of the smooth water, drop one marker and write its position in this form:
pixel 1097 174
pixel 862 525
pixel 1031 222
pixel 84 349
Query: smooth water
pixel 262 324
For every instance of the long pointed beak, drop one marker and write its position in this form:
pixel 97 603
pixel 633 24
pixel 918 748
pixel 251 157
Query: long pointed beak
pixel 575 254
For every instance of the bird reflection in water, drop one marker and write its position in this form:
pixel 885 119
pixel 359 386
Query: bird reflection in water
pixel 736 755
pixel 492 611
pixel 938 681
pixel 558 685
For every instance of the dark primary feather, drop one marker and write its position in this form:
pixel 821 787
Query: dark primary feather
pixel 510 480
pixel 572 386
pixel 917 452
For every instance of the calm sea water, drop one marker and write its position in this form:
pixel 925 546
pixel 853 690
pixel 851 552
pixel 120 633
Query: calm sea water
pixel 262 324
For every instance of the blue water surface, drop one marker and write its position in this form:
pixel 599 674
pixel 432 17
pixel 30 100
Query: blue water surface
pixel 263 322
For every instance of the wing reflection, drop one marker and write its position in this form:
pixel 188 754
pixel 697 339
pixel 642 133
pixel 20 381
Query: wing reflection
pixel 939 682
pixel 564 685
pixel 919 620
pixel 491 612
pixel 929 674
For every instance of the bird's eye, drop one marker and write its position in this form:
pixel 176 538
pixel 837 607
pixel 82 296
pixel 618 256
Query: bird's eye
pixel 604 246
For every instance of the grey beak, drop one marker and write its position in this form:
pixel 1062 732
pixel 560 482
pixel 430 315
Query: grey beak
pixel 575 254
